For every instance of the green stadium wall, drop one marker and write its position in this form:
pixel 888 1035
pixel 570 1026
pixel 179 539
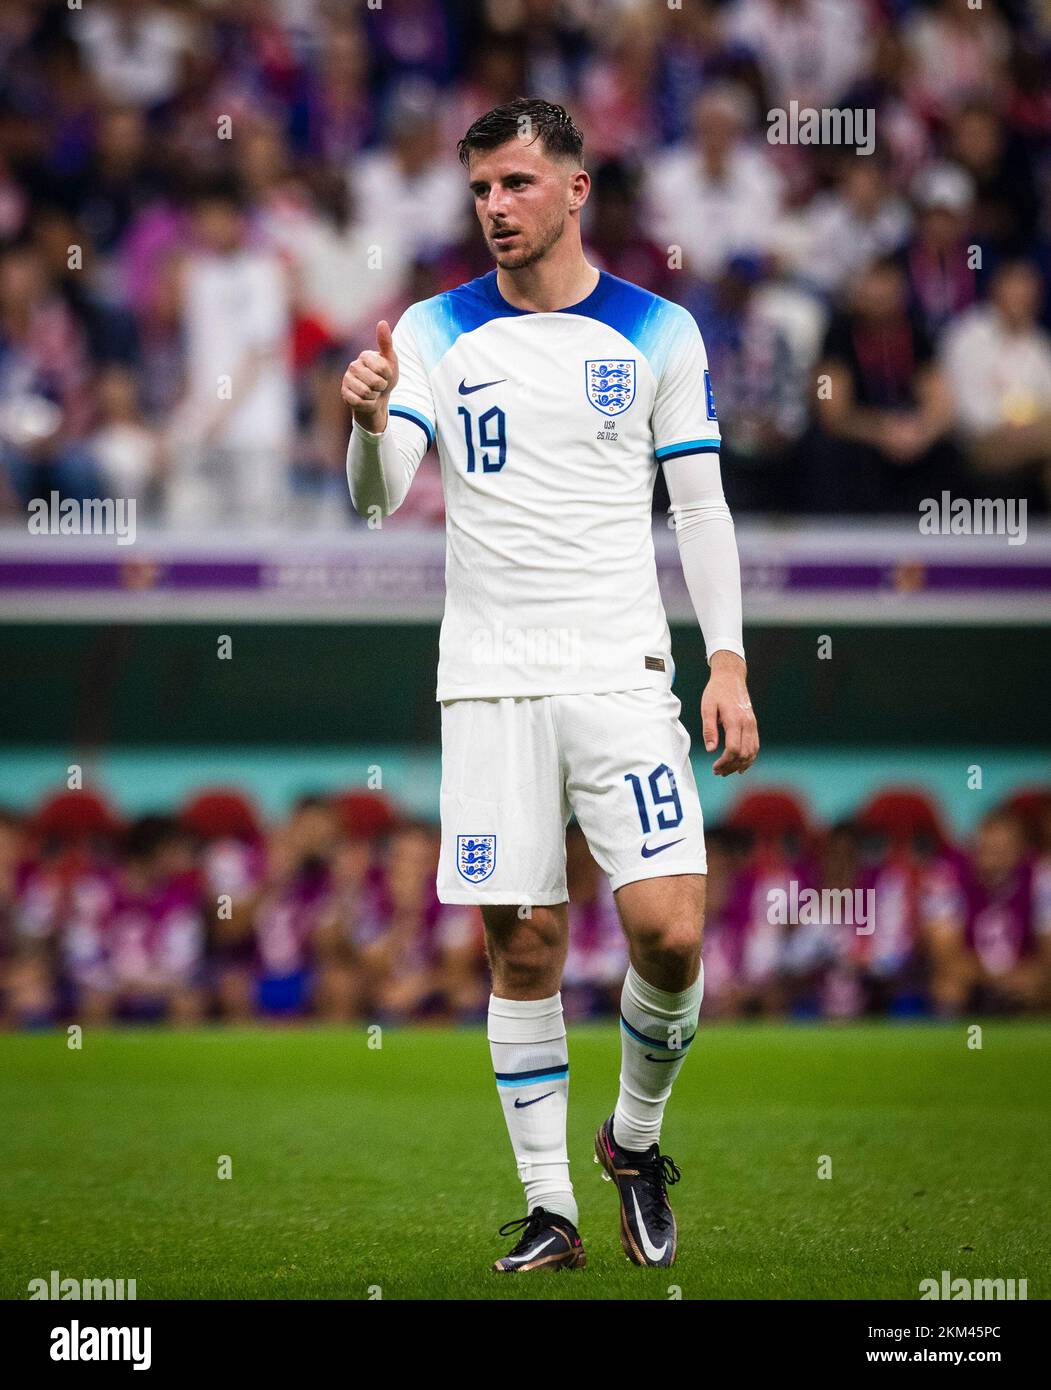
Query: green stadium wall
pixel 152 711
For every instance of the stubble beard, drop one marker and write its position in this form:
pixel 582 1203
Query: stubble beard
pixel 530 255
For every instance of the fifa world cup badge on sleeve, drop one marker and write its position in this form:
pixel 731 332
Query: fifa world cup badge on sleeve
pixel 610 384
pixel 475 857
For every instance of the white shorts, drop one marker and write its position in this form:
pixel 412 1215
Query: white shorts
pixel 514 769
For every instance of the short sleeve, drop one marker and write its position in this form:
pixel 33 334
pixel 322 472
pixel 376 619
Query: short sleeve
pixel 684 419
pixel 412 398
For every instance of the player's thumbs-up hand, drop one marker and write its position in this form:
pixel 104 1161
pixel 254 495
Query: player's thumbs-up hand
pixel 369 380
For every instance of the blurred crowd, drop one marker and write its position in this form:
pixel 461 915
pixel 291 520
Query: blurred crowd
pixel 330 913
pixel 206 206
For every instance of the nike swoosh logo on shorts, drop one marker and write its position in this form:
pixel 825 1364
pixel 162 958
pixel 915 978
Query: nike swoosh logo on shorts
pixel 466 390
pixel 648 853
pixel 652 1252
pixel 521 1104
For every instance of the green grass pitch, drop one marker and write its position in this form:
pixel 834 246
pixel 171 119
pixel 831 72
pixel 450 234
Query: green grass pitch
pixel 355 1167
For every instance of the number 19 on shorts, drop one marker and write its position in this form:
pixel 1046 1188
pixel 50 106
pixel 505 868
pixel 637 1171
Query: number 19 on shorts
pixel 658 792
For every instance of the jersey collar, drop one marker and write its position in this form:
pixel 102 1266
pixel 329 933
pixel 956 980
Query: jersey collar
pixel 586 306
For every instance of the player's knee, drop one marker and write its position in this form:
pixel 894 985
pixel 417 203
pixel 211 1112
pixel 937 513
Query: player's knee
pixel 522 974
pixel 523 964
pixel 525 952
pixel 671 945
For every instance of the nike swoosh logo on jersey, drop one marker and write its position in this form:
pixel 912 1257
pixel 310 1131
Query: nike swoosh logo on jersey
pixel 648 853
pixel 521 1104
pixel 521 1259
pixel 652 1252
pixel 466 390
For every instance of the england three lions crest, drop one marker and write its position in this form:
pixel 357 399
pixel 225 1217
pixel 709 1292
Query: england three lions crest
pixel 475 856
pixel 610 383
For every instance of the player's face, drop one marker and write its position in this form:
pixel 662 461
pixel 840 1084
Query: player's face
pixel 522 199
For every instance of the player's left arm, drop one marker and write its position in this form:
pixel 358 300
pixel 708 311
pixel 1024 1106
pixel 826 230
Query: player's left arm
pixel 686 442
pixel 704 530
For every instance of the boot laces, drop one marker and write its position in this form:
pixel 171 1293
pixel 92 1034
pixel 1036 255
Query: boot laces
pixel 530 1226
pixel 660 1172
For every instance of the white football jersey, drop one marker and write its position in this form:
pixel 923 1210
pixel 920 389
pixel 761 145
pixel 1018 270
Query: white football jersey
pixel 550 427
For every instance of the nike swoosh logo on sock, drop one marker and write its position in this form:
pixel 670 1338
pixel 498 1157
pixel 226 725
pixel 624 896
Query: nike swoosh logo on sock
pixel 650 1058
pixel 521 1104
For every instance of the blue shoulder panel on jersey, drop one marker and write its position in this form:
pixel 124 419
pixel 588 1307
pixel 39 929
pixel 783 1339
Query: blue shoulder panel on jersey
pixel 651 323
pixel 438 322
pixel 656 326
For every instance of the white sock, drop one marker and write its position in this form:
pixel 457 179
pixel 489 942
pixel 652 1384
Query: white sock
pixel 527 1039
pixel 656 1029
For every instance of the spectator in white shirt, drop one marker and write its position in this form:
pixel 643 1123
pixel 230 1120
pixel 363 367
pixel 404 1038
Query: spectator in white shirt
pixel 807 50
pixel 956 59
pixel 126 449
pixel 845 230
pixel 717 196
pixel 349 272
pixel 409 188
pixel 997 359
pixel 232 433
pixel 135 49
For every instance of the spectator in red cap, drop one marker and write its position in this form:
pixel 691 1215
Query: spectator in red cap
pixel 774 829
pixel 154 941
pixel 65 889
pixel 229 837
pixel 901 840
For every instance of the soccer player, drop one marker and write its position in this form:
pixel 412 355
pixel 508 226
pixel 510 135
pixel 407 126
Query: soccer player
pixel 553 390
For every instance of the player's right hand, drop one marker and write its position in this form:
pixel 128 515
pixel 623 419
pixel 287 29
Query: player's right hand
pixel 369 380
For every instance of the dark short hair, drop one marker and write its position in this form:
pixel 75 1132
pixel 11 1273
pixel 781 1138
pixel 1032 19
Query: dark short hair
pixel 1011 264
pixel 145 836
pixel 222 187
pixel 553 125
pixel 1004 815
